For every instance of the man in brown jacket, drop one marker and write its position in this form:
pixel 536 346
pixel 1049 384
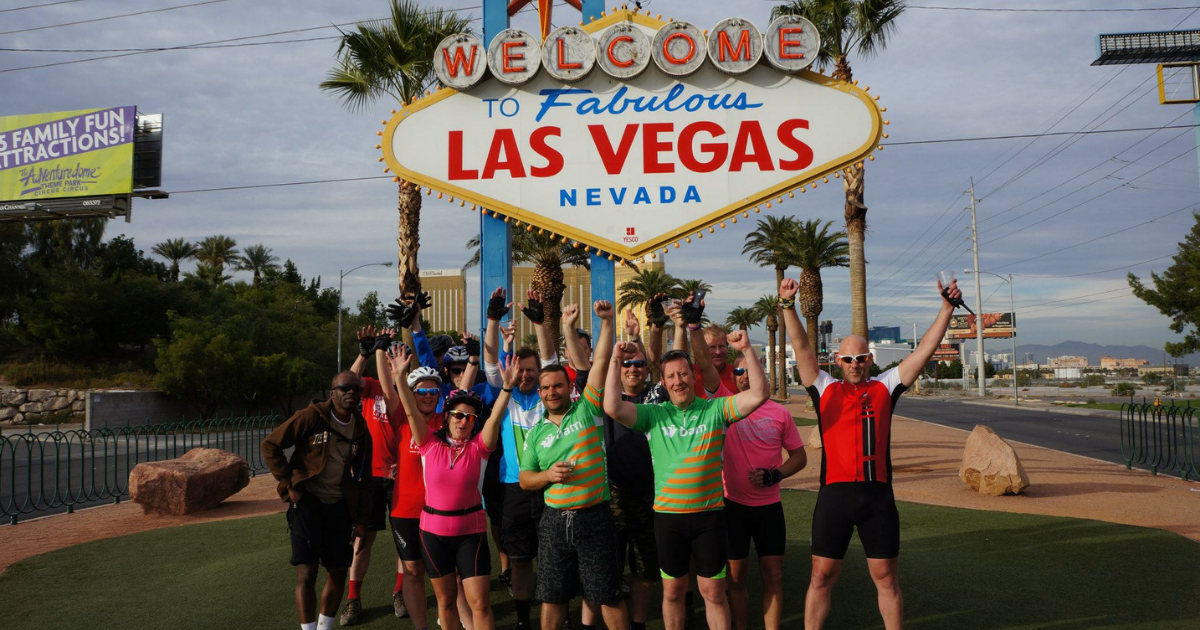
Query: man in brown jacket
pixel 326 482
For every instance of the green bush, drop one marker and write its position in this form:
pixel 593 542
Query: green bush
pixel 1124 389
pixel 1094 380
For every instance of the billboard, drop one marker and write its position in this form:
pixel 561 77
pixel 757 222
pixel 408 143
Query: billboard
pixel 81 153
pixel 995 325
pixel 946 352
pixel 630 134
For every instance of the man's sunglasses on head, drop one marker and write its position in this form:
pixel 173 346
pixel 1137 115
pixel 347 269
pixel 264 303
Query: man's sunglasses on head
pixel 631 363
pixel 348 388
pixel 854 358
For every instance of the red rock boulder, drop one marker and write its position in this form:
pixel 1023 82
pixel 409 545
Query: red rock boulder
pixel 200 480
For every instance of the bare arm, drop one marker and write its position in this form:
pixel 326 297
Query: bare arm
pixel 491 335
pixel 912 365
pixel 383 367
pixel 797 459
pixel 604 345
pixel 746 402
pixel 417 422
pixel 471 371
pixel 633 329
pixel 614 407
pixel 806 355
pixel 680 329
pixel 576 351
pixel 491 429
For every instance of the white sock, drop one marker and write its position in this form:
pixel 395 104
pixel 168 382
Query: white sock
pixel 312 625
pixel 324 623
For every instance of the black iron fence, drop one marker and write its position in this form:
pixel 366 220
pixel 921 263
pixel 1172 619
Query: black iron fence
pixel 1163 438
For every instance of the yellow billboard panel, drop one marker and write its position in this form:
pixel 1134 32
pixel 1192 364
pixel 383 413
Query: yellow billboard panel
pixel 67 154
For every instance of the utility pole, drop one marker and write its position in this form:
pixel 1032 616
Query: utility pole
pixel 978 296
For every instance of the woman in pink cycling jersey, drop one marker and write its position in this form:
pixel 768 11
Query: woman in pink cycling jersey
pixel 453 529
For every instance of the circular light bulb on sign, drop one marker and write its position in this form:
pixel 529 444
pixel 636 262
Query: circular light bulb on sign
pixel 735 46
pixel 791 43
pixel 459 61
pixel 514 57
pixel 568 54
pixel 679 49
pixel 623 51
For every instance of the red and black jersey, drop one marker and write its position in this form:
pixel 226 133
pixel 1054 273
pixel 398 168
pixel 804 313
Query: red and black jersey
pixel 856 426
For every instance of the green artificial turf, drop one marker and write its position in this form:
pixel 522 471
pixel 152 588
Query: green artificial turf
pixel 960 569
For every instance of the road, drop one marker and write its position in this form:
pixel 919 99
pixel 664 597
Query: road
pixel 1091 436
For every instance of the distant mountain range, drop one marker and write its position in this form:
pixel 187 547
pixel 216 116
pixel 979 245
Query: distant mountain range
pixel 1092 351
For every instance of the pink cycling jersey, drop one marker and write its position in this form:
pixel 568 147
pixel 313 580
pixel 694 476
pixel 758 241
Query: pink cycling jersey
pixel 757 441
pixel 453 481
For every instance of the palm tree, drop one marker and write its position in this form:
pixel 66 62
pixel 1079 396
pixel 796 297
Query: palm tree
pixel 767 308
pixel 218 251
pixel 393 57
pixel 743 318
pixel 770 245
pixel 548 254
pixel 175 250
pixel 207 274
pixel 648 283
pixel 863 27
pixel 688 287
pixel 814 249
pixel 257 259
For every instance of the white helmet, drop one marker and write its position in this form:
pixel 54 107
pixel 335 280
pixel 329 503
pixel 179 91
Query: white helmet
pixel 423 374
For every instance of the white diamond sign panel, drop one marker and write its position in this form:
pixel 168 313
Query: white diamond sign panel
pixel 630 166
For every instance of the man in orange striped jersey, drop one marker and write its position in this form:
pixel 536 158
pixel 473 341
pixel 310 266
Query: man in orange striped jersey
pixel 686 437
pixel 564 453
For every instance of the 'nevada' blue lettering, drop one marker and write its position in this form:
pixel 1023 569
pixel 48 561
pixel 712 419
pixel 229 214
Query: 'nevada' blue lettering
pixel 593 196
pixel 566 197
pixel 691 195
pixel 619 102
pixel 642 195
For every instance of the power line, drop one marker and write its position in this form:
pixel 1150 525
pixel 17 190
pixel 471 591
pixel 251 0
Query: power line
pixel 281 184
pixel 1036 135
pixel 161 49
pixel 1094 273
pixel 38 6
pixel 1024 10
pixel 112 17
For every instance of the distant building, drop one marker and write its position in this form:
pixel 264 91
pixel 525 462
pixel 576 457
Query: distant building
pixel 886 353
pixel 884 333
pixel 1175 369
pixel 447 290
pixel 1068 362
pixel 1068 372
pixel 578 282
pixel 1109 363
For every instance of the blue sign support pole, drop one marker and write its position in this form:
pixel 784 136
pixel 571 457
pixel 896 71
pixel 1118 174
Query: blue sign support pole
pixel 603 270
pixel 495 236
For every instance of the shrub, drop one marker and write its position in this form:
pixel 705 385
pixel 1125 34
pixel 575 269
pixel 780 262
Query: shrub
pixel 1124 389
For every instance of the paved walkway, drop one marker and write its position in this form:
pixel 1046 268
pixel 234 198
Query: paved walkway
pixel 925 460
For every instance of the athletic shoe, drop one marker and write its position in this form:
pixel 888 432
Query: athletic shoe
pixel 351 612
pixel 398 604
pixel 506 580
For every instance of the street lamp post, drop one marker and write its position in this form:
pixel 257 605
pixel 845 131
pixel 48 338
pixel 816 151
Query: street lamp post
pixel 342 276
pixel 1007 279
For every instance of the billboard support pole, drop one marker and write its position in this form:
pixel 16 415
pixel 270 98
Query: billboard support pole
pixel 603 272
pixel 495 236
pixel 978 298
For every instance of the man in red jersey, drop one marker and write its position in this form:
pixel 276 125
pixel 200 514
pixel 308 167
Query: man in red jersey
pixel 855 416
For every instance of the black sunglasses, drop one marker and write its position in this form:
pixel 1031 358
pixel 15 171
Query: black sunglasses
pixel 641 363
pixel 456 370
pixel 459 415
pixel 739 371
pixel 348 388
pixel 856 358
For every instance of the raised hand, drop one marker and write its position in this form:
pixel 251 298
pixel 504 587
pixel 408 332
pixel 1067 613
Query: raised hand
pixel 471 343
pixel 570 315
pixel 497 306
pixel 604 309
pixel 509 371
pixel 366 340
pixel 788 288
pixel 509 333
pixel 400 313
pixel 400 357
pixel 654 310
pixel 422 300
pixel 383 340
pixel 691 313
pixel 633 328
pixel 624 350
pixel 738 340
pixel 535 311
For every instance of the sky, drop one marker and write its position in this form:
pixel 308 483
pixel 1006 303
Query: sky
pixel 1068 215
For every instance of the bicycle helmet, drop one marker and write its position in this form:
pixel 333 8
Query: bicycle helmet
pixel 440 344
pixel 423 374
pixel 464 396
pixel 457 354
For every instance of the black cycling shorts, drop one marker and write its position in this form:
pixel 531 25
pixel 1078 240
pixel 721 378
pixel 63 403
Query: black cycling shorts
pixel 869 506
pixel 519 522
pixel 468 554
pixel 406 533
pixel 321 533
pixel 633 515
pixel 762 524
pixel 381 504
pixel 691 541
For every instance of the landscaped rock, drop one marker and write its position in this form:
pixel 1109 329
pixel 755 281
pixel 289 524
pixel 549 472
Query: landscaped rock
pixel 40 395
pixel 17 419
pixel 990 465
pixel 814 438
pixel 8 413
pixel 32 407
pixel 14 398
pixel 200 480
pixel 79 406
pixel 57 403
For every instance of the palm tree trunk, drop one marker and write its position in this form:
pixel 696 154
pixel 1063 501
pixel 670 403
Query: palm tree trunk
pixel 772 326
pixel 547 280
pixel 812 302
pixel 175 270
pixel 781 364
pixel 856 229
pixel 408 239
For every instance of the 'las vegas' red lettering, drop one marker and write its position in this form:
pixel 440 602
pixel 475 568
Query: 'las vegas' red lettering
pixel 687 147
pixel 503 142
pixel 751 147
pixel 804 153
pixel 614 159
pixel 554 159
pixel 652 147
pixel 456 170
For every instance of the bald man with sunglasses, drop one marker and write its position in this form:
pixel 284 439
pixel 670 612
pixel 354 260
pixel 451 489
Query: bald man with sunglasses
pixel 855 416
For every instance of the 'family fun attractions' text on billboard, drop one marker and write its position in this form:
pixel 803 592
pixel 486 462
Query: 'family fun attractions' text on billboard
pixel 631 134
pixel 67 154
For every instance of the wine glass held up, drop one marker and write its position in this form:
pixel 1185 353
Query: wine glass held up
pixel 945 278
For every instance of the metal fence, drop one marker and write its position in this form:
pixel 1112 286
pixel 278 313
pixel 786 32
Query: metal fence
pixel 50 471
pixel 1161 437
